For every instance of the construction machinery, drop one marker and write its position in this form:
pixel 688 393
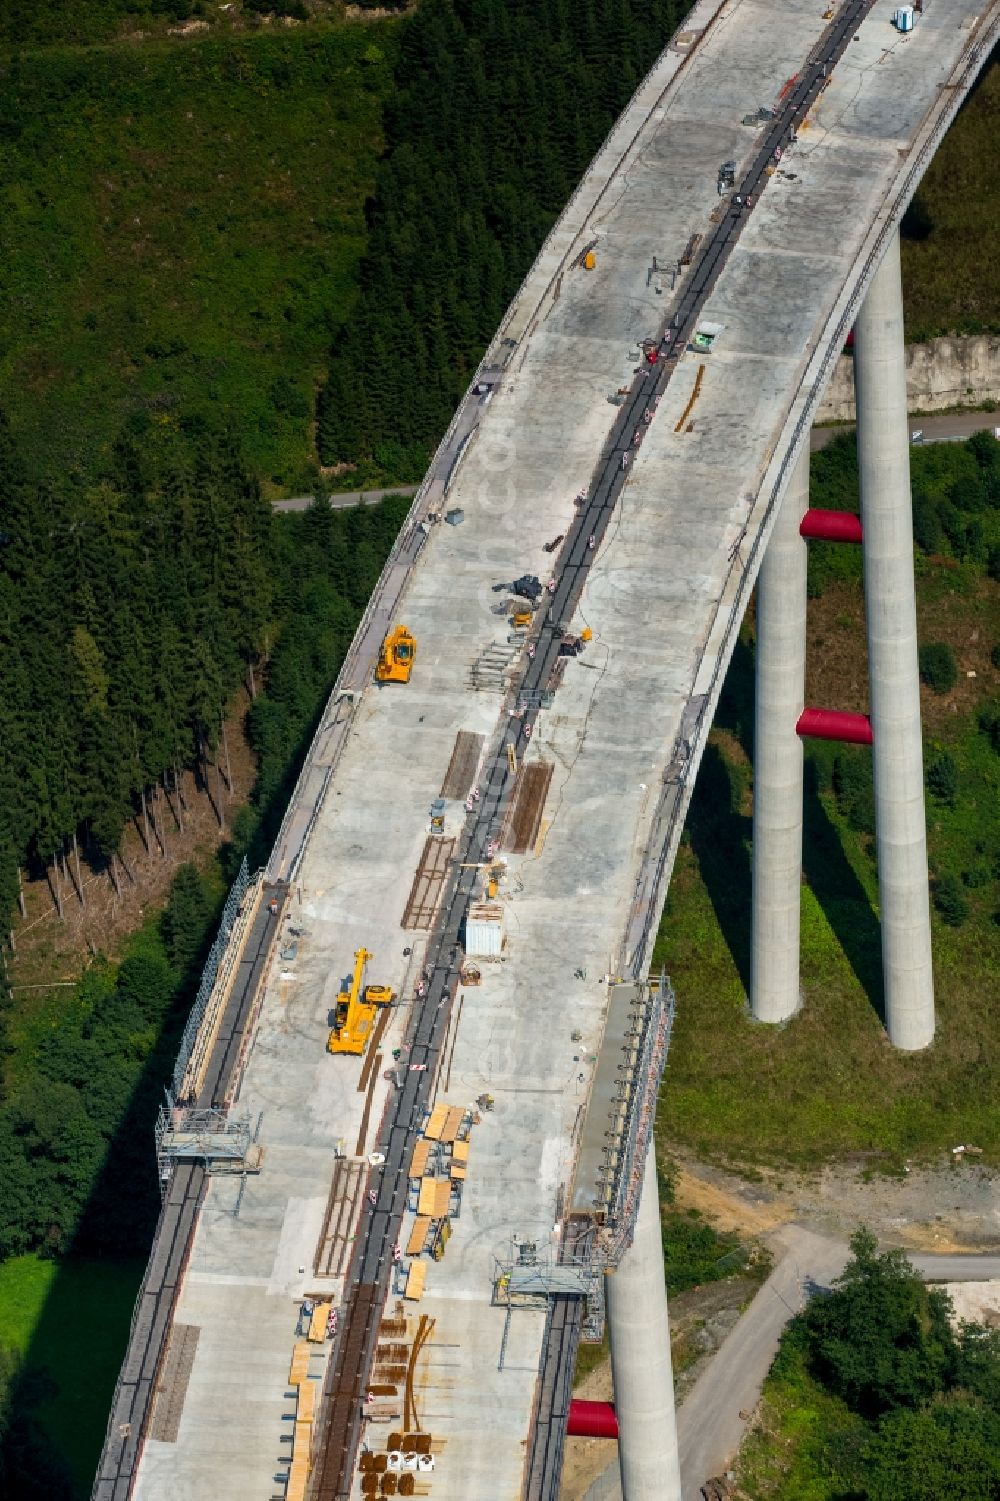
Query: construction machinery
pixel 395 662
pixel 354 1014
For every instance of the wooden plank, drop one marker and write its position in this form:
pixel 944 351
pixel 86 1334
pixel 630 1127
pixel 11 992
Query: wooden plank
pixel 415 1281
pixel 305 1407
pixel 299 1370
pixel 435 1124
pixel 460 1151
pixel 418 1235
pixel 458 1172
pixel 442 1198
pixel 435 1197
pixel 317 1324
pixel 461 771
pixel 428 1197
pixel 425 893
pixel 452 1124
pixel 418 1163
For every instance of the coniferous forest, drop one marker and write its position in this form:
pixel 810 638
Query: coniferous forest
pixel 498 107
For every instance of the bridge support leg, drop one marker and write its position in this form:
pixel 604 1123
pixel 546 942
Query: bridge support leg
pixel 777 784
pixel 890 607
pixel 640 1359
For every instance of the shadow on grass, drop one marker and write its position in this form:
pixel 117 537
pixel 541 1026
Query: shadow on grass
pixel 722 840
pixel 841 895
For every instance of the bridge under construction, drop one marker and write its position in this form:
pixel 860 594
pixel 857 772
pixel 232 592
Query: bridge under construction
pixel 372 1272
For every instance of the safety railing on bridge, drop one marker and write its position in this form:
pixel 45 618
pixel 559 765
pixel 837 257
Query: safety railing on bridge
pixel 230 912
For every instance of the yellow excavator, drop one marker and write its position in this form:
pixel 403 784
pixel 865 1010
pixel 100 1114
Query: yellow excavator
pixel 354 1014
pixel 395 661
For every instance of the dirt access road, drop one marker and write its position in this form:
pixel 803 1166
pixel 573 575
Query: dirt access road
pixel 954 1209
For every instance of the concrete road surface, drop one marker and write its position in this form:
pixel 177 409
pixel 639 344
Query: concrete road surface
pixel 944 427
pixel 710 1425
pixel 344 499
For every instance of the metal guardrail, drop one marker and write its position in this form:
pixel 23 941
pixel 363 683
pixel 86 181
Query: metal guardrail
pixel 227 922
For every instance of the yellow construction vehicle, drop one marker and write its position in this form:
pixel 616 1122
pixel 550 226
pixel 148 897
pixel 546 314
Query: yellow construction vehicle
pixel 354 1015
pixel 379 995
pixel 395 662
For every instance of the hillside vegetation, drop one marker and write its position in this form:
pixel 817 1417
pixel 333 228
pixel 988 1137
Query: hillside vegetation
pixel 498 107
pixel 828 1083
pixel 951 255
pixel 180 227
pixel 875 1396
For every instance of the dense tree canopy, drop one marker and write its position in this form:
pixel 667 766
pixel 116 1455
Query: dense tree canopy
pixel 129 611
pixel 499 106
pixel 895 1403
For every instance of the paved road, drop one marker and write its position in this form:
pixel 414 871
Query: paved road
pixel 344 499
pixel 709 1426
pixel 944 427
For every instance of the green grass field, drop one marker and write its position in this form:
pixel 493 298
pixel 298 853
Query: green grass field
pixel 951 258
pixel 180 228
pixel 69 1322
pixel 828 1084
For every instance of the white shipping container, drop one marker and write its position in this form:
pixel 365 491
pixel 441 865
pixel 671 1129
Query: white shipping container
pixel 484 937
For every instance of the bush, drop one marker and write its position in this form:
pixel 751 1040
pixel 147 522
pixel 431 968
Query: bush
pixel 855 790
pixel 937 666
pixel 949 899
pixel 942 779
pixel 989 722
pixel 995 653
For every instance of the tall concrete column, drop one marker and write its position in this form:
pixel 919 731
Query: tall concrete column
pixel 640 1359
pixel 890 606
pixel 777 775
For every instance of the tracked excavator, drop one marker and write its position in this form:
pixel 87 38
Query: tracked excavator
pixel 395 661
pixel 354 1014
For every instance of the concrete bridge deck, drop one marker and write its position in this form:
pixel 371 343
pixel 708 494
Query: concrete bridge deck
pixel 664 594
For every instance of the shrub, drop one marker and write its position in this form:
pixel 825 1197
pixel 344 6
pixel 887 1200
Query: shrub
pixel 854 789
pixel 949 899
pixel 937 666
pixel 942 779
pixel 989 722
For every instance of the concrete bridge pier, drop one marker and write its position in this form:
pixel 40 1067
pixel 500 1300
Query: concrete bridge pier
pixel 777 786
pixel 641 1369
pixel 890 608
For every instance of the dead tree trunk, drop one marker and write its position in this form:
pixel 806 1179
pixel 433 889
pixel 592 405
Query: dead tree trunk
pixel 225 751
pixel 79 877
pixel 125 867
pixel 52 876
pixel 20 894
pixel 174 811
pixel 179 784
pixel 157 820
pixel 253 680
pixel 146 838
pixel 113 877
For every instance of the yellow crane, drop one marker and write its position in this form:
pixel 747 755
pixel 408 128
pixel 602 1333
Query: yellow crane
pixel 395 661
pixel 354 1014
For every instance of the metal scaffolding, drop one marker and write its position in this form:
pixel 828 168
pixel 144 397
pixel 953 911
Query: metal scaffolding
pixel 229 914
pixel 222 1145
pixel 614 1145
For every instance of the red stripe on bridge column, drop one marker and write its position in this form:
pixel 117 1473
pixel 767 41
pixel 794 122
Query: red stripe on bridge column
pixel 831 526
pixel 591 1420
pixel 835 724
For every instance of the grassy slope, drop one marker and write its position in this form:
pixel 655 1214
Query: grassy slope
pixel 828 1083
pixel 180 224
pixel 70 1320
pixel 951 277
